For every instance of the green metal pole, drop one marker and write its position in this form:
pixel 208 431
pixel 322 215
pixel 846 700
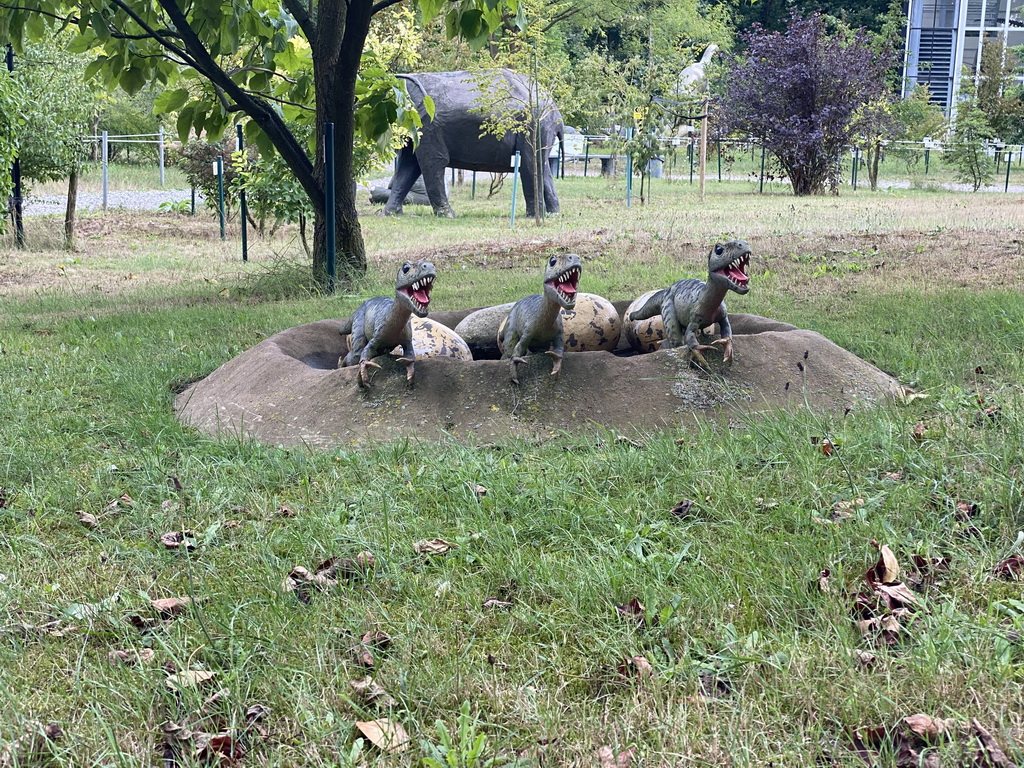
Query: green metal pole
pixel 1009 164
pixel 220 192
pixel 761 186
pixel 719 142
pixel 629 171
pixel 329 205
pixel 515 189
pixel 473 195
pixel 241 204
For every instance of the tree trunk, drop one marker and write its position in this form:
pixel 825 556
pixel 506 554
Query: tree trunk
pixel 336 64
pixel 69 212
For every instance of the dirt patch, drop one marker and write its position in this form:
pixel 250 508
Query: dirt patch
pixel 287 390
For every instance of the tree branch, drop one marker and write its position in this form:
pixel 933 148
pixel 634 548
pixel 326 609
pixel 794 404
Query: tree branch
pixel 381 5
pixel 165 42
pixel 302 17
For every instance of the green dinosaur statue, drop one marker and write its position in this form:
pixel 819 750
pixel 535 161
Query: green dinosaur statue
pixel 382 323
pixel 690 305
pixel 535 322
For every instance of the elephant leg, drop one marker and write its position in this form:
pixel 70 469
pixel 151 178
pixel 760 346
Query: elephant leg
pixel 550 198
pixel 405 176
pixel 433 180
pixel 529 176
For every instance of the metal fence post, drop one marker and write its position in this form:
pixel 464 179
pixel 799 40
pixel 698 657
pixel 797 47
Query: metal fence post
pixel 586 155
pixel 760 188
pixel 1009 164
pixel 105 155
pixel 160 153
pixel 220 192
pixel 241 200
pixel 515 188
pixel 629 171
pixel 330 214
pixel 473 193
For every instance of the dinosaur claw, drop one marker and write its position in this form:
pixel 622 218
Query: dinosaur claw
pixel 364 376
pixel 726 348
pixel 556 365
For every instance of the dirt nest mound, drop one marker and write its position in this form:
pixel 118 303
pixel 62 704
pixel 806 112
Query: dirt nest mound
pixel 288 390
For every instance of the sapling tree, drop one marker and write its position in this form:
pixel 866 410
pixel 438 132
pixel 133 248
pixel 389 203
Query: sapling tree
pixel 799 91
pixel 10 120
pixel 967 144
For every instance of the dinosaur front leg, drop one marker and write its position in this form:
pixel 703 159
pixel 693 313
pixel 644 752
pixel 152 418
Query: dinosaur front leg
pixel 556 353
pixel 409 358
pixel 695 346
pixel 364 373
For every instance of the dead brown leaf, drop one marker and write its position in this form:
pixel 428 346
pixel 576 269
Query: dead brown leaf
pixel 374 638
pixel 87 519
pixel 176 539
pixel 920 431
pixel 478 490
pixel 189 679
pixel 362 656
pixel 433 547
pixel 1011 568
pixel 34 747
pixel 607 758
pixel 385 734
pixel 887 569
pixel 682 509
pixel 143 656
pixel 496 603
pixel 823 578
pixel 372 693
pixel 866 658
pixel 989 754
pixel 170 606
pixel 636 666
pixel 633 609
pixel 124 500
pixel 285 511
pixel 966 511
pixel 929 728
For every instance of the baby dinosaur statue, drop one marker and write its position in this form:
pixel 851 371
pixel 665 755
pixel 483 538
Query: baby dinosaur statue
pixel 690 305
pixel 382 323
pixel 535 322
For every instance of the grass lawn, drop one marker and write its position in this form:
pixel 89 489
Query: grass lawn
pixel 585 616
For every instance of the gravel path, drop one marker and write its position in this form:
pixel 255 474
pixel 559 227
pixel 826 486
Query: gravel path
pixel 149 200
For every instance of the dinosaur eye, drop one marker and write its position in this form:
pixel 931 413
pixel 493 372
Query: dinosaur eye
pixel 405 267
pixel 718 250
pixel 552 262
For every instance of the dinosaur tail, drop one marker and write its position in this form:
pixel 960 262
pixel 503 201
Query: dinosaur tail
pixel 651 308
pixel 345 327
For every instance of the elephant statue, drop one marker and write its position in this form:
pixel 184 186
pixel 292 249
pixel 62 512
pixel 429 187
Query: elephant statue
pixel 455 137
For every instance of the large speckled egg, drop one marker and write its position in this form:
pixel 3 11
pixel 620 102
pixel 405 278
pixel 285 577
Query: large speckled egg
pixel 432 339
pixel 643 335
pixel 591 326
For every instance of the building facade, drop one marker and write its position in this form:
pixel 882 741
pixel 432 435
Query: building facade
pixel 944 40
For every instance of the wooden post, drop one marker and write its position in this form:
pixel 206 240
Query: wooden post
pixel 703 142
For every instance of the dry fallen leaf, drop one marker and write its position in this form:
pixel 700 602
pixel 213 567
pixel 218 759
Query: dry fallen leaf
pixel 433 547
pixel 478 490
pixel 34 747
pixel 887 569
pixel 866 658
pixel 636 666
pixel 682 509
pixel 607 758
pixel 823 577
pixel 124 500
pixel 920 431
pixel 927 727
pixel 633 609
pixel 189 679
pixel 495 603
pixel 386 735
pixel 143 656
pixel 171 606
pixel 362 656
pixel 372 693
pixel 989 753
pixel 87 519
pixel 175 539
pixel 286 511
pixel 374 638
pixel 1011 568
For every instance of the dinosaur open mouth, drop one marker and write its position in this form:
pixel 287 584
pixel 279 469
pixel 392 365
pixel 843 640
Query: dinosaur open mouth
pixel 565 283
pixel 419 292
pixel 734 270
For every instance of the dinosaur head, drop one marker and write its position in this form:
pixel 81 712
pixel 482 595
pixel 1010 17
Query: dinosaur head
pixel 727 264
pixel 561 275
pixel 412 288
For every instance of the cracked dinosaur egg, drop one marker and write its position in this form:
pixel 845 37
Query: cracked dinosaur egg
pixel 432 339
pixel 643 335
pixel 592 325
